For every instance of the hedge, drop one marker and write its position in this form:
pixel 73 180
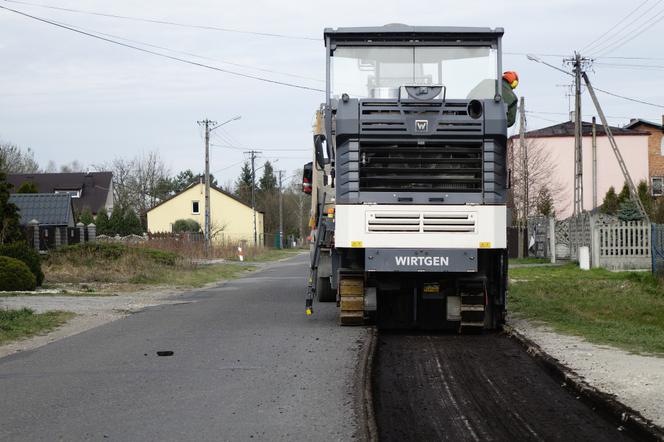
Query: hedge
pixel 15 275
pixel 23 252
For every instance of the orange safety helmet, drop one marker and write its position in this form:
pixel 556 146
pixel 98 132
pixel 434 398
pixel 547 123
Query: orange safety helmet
pixel 512 78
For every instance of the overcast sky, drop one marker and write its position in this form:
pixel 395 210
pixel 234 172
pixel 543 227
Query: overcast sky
pixel 71 97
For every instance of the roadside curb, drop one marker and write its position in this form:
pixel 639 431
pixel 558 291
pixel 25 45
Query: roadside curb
pixel 605 403
pixel 368 430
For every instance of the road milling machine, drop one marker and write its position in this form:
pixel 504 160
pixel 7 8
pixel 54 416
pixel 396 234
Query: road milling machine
pixel 409 179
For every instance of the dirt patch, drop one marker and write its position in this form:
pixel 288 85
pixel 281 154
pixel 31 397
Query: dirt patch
pixel 636 380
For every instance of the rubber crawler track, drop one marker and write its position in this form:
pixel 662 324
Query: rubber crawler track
pixel 474 388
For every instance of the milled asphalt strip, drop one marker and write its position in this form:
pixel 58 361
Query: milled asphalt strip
pixel 603 402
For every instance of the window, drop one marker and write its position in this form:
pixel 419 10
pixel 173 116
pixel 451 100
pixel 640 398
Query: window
pixel 380 71
pixel 74 193
pixel 661 147
pixel 195 208
pixel 657 185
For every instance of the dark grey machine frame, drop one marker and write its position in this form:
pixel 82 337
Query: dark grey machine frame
pixel 346 130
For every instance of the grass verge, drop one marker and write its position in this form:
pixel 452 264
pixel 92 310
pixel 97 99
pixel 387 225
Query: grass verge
pixel 194 277
pixel 98 269
pixel 16 324
pixel 622 309
pixel 529 261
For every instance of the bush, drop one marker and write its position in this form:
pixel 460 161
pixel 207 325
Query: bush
pixel 23 252
pixel 186 225
pixel 15 275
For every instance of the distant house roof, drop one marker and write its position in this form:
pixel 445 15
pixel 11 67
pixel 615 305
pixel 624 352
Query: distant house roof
pixel 94 186
pixel 50 209
pixel 566 129
pixel 218 189
pixel 638 121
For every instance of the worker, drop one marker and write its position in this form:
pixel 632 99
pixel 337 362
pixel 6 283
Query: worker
pixel 510 82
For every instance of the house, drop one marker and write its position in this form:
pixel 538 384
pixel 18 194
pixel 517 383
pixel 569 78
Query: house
pixel 92 190
pixel 230 218
pixel 557 142
pixel 54 213
pixel 655 152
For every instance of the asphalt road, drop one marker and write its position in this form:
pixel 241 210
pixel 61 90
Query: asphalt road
pixel 475 388
pixel 246 365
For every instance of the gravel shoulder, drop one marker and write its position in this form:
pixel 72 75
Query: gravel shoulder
pixel 636 380
pixel 91 312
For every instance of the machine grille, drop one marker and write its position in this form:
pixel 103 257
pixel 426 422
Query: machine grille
pixel 409 165
pixel 420 222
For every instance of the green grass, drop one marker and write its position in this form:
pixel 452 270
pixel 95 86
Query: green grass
pixel 622 309
pixel 16 324
pixel 194 277
pixel 529 261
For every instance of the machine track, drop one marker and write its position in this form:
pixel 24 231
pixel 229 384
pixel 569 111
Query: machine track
pixel 474 388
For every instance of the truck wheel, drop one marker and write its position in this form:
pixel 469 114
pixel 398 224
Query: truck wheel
pixel 324 290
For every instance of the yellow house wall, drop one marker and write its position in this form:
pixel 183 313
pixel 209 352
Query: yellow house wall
pixel 230 219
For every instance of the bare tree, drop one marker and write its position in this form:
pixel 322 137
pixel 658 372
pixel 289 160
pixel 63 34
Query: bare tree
pixel 71 167
pixel 51 167
pixel 16 160
pixel 541 182
pixel 139 183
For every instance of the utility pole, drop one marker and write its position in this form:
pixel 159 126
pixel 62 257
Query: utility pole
pixel 209 126
pixel 281 212
pixel 206 229
pixel 594 163
pixel 578 138
pixel 253 191
pixel 524 158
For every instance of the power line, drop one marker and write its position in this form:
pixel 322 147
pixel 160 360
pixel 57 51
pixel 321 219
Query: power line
pixel 159 54
pixel 649 67
pixel 228 167
pixel 592 43
pixel 609 45
pixel 566 114
pixel 628 58
pixel 256 68
pixel 646 26
pixel 164 22
pixel 635 100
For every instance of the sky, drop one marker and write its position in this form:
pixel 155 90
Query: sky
pixel 71 97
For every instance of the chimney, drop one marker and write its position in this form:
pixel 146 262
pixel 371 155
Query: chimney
pixel 572 116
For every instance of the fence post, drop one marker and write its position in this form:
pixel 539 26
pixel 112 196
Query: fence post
pixel 58 237
pixel 81 230
pixel 653 251
pixel 552 239
pixel 595 247
pixel 33 233
pixel 92 232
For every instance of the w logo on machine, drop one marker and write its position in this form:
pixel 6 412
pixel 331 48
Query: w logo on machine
pixel 421 125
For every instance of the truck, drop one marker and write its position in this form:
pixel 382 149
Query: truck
pixel 409 179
